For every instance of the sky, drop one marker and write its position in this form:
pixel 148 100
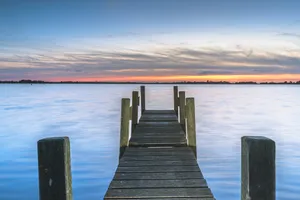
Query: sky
pixel 157 40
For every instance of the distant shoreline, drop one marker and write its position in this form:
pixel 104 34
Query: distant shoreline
pixel 182 82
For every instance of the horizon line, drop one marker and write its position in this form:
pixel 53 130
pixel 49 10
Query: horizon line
pixel 152 82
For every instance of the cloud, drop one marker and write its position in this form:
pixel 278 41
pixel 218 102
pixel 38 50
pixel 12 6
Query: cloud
pixel 164 61
pixel 296 35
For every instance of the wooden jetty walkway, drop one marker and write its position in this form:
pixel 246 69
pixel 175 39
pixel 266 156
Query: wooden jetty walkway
pixel 158 161
pixel 158 158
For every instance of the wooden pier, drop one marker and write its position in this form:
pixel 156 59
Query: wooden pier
pixel 158 159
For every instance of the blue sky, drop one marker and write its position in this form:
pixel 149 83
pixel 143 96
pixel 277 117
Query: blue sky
pixel 93 40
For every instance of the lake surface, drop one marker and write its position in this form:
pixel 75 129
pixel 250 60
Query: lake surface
pixel 90 116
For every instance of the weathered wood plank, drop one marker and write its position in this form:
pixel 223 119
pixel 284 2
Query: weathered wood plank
pixel 160 135
pixel 156 120
pixel 159 169
pixel 158 115
pixel 160 126
pixel 158 149
pixel 162 143
pixel 158 123
pixel 158 153
pixel 188 183
pixel 166 158
pixel 172 198
pixel 159 176
pixel 159 130
pixel 159 193
pixel 157 139
pixel 159 112
pixel 158 163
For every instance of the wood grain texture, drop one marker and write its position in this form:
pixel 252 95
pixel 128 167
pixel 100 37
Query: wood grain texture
pixel 157 164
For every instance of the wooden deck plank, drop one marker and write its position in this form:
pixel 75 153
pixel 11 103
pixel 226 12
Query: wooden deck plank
pixel 159 193
pixel 159 176
pixel 159 112
pixel 158 153
pixel 157 123
pixel 157 141
pixel 188 183
pixel 173 126
pixel 158 137
pixel 159 149
pixel 158 169
pixel 172 198
pixel 154 143
pixel 159 131
pixel 158 158
pixel 158 163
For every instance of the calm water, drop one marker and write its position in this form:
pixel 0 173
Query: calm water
pixel 89 115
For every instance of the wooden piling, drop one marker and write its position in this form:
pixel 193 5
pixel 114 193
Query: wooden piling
pixel 134 110
pixel 143 99
pixel 258 168
pixel 54 166
pixel 176 103
pixel 124 132
pixel 182 109
pixel 191 124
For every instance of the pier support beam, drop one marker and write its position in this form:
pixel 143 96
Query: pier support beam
pixel 191 124
pixel 124 132
pixel 176 102
pixel 143 99
pixel 182 109
pixel 54 166
pixel 134 110
pixel 258 168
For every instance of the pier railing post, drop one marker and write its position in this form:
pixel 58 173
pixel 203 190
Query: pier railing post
pixel 191 124
pixel 124 128
pixel 54 166
pixel 176 103
pixel 182 109
pixel 143 99
pixel 258 168
pixel 134 110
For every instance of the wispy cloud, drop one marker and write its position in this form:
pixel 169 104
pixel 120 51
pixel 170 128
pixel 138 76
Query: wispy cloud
pixel 181 58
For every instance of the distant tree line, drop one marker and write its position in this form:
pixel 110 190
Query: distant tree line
pixel 176 82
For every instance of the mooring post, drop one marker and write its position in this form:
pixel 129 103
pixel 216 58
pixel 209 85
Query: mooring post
pixel 124 132
pixel 134 110
pixel 258 168
pixel 143 99
pixel 191 124
pixel 54 166
pixel 182 109
pixel 176 103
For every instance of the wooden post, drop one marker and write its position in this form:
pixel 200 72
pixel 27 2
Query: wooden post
pixel 176 103
pixel 182 109
pixel 191 124
pixel 54 166
pixel 258 168
pixel 124 132
pixel 134 114
pixel 143 99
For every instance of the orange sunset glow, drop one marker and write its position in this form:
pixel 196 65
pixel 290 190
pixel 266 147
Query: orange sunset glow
pixel 230 78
